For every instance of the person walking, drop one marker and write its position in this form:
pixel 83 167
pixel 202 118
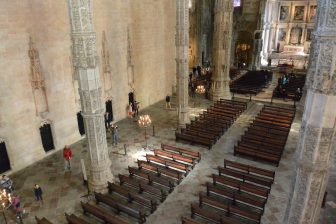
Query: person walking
pixel 168 102
pixel 114 134
pixel 67 154
pixel 38 193
pixel 16 206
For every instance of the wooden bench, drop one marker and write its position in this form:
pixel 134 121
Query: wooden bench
pixel 160 170
pixel 201 134
pixel 240 186
pixel 132 197
pixel 119 207
pixel 194 139
pixel 102 214
pixel 42 221
pixel 175 157
pixel 245 176
pixel 186 220
pixel 142 187
pixel 152 178
pixel 167 163
pixel 72 219
pixel 210 129
pixel 249 169
pixel 256 154
pixel 233 195
pixel 181 151
pixel 208 214
pixel 204 199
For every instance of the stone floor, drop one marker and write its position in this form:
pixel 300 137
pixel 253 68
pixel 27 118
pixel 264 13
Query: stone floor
pixel 63 191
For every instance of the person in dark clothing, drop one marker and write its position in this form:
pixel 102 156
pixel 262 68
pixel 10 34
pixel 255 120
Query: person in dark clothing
pixel 168 102
pixel 135 107
pixel 193 89
pixel 38 193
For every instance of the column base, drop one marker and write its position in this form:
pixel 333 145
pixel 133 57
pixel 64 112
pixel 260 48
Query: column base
pixel 99 176
pixel 217 95
pixel 183 118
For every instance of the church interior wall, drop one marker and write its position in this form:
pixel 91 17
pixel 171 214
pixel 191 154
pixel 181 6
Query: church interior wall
pixel 152 27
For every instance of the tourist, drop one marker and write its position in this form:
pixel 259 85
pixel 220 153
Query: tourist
pixel 114 134
pixel 38 193
pixel 168 102
pixel 6 183
pixel 67 154
pixel 107 120
pixel 130 110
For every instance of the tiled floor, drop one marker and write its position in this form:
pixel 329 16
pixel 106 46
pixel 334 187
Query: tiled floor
pixel 63 191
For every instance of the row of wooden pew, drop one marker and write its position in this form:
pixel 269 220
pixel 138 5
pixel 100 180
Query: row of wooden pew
pixel 139 193
pixel 251 83
pixel 237 195
pixel 212 123
pixel 266 137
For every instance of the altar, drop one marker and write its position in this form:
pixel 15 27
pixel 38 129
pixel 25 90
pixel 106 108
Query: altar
pixel 291 56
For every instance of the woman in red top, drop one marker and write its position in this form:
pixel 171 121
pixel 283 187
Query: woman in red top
pixel 67 154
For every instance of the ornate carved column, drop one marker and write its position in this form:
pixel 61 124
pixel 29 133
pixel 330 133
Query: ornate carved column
pixel 182 42
pixel 222 49
pixel 86 65
pixel 316 145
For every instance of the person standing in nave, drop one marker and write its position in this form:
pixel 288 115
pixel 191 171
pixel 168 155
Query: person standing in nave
pixel 67 154
pixel 38 193
pixel 168 102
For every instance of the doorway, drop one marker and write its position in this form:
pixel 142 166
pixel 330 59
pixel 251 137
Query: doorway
pixel 80 122
pixel 109 109
pixel 46 137
pixel 4 160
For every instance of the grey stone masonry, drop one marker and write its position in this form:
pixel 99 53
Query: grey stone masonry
pixel 182 43
pixel 85 62
pixel 316 146
pixel 221 49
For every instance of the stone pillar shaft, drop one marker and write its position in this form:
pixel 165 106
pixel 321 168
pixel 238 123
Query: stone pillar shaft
pixel 182 43
pixel 86 65
pixel 221 50
pixel 317 136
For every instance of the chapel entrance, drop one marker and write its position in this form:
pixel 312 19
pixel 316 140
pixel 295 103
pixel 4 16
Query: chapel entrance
pixel 80 122
pixel 46 137
pixel 4 160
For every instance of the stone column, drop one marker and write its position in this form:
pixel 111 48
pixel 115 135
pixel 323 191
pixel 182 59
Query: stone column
pixel 316 145
pixel 86 65
pixel 221 50
pixel 182 42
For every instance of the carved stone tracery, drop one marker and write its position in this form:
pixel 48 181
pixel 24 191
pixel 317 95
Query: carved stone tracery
pixel 37 81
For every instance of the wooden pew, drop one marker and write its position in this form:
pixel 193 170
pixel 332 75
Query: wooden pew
pixel 201 134
pixel 102 214
pixel 181 151
pixel 160 170
pixel 186 220
pixel 234 196
pixel 245 176
pixel 132 197
pixel 240 186
pixel 249 169
pixel 167 163
pixel 175 157
pixel 211 215
pixel 142 187
pixel 152 178
pixel 256 154
pixel 42 220
pixel 194 139
pixel 230 209
pixel 72 219
pixel 119 207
